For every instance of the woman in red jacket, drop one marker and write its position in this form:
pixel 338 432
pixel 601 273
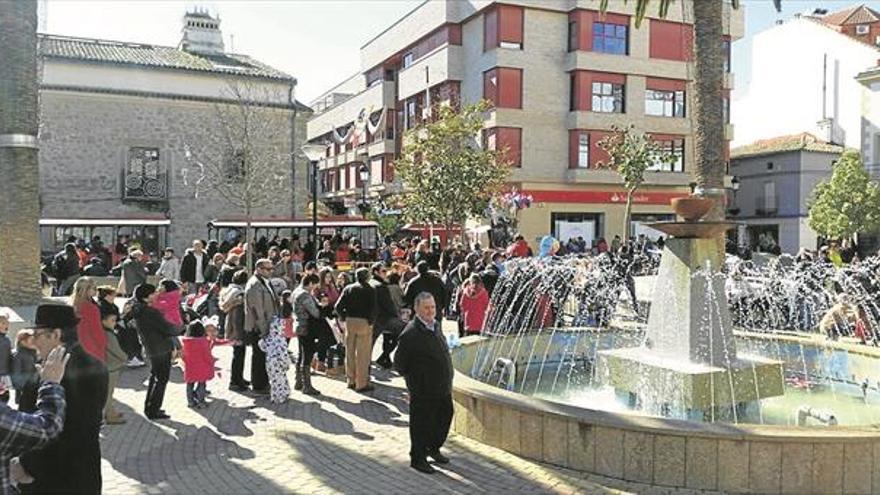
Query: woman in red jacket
pixel 89 331
pixel 474 304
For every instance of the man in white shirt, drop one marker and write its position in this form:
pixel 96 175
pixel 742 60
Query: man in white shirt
pixel 192 269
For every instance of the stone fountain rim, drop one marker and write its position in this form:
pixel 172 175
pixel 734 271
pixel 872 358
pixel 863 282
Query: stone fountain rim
pixel 466 385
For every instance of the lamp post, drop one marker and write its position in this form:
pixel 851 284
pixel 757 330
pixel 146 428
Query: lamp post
pixel 314 152
pixel 364 173
pixel 734 186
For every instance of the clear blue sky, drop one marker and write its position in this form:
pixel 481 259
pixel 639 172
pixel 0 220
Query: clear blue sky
pixel 318 41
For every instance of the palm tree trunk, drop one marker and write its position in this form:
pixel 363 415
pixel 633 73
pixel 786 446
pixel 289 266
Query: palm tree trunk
pixel 708 102
pixel 19 170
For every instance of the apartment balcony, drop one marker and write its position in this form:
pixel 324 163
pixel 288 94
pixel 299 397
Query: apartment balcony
pixel 637 66
pixel 443 64
pixel 625 64
pixel 607 176
pixel 375 98
pixel 873 170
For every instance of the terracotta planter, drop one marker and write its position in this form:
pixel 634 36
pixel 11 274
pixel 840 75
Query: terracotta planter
pixel 692 208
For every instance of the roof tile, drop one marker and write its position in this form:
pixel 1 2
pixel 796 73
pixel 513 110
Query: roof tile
pixel 119 52
pixel 795 142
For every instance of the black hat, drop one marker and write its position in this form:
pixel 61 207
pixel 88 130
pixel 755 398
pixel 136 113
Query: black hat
pixel 143 291
pixel 55 316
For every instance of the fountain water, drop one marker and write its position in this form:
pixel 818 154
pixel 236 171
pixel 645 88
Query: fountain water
pixel 556 325
pixel 688 365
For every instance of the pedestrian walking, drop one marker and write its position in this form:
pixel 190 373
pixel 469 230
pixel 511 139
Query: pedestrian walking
pixel 357 308
pixel 156 334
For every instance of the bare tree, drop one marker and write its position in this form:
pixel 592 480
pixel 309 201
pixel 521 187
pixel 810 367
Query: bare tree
pixel 243 157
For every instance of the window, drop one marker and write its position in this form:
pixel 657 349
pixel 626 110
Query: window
pixel 609 38
pixel 503 27
pixel 670 148
pixel 572 36
pixel 664 103
pixel 507 140
pixel 607 97
pixel 725 111
pixel 572 92
pixel 863 29
pixel 408 59
pixel 145 178
pixel 726 49
pixel 567 226
pixel 769 199
pixel 583 149
pixel 234 166
pixel 409 114
pixel 503 87
pixel 670 40
pixel 490 30
pixel 583 157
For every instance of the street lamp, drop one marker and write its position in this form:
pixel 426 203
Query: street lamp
pixel 734 186
pixel 314 152
pixel 364 173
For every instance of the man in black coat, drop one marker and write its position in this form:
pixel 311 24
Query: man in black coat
pixel 193 267
pixel 428 282
pixel 388 323
pixel 423 360
pixel 72 463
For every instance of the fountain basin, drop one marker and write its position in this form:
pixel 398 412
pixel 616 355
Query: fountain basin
pixel 737 458
pixel 695 387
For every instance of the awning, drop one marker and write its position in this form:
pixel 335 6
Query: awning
pixel 286 224
pixel 108 222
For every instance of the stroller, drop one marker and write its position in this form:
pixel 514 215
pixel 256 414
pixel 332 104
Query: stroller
pixel 203 303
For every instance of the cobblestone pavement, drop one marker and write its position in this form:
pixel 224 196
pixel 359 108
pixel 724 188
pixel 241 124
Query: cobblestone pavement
pixel 341 442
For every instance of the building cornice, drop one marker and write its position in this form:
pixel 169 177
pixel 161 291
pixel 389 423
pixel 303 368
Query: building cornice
pixel 298 106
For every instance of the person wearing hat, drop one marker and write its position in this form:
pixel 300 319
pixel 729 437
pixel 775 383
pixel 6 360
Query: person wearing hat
pixel 156 335
pixel 20 431
pixel 356 306
pixel 74 458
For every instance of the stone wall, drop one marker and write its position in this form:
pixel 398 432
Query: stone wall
pixel 85 140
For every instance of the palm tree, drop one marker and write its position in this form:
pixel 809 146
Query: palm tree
pixel 708 102
pixel 19 172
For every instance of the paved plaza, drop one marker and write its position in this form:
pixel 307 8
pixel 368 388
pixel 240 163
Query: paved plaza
pixel 341 442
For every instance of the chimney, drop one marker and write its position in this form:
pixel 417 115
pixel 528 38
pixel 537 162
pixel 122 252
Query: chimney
pixel 827 130
pixel 201 33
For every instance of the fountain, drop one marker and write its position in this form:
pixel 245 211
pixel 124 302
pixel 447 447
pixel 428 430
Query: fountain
pixel 688 365
pixel 691 396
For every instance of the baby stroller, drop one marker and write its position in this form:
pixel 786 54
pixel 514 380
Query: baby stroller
pixel 203 303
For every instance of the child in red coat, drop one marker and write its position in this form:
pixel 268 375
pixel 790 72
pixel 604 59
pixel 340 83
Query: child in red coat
pixel 474 303
pixel 198 362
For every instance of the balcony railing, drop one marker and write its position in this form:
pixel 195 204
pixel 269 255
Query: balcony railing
pixel 766 207
pixel 873 170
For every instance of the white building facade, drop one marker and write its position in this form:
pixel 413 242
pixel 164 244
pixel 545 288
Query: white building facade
pixel 804 80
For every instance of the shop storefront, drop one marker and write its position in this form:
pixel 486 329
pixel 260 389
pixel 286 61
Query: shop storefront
pixel 594 213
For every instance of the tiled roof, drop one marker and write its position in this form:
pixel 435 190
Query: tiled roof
pixel 859 14
pixel 118 52
pixel 795 142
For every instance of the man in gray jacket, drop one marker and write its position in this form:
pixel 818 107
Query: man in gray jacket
pixel 134 272
pixel 260 306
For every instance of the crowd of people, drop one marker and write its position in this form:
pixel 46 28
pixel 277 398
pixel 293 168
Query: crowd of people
pixel 219 294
